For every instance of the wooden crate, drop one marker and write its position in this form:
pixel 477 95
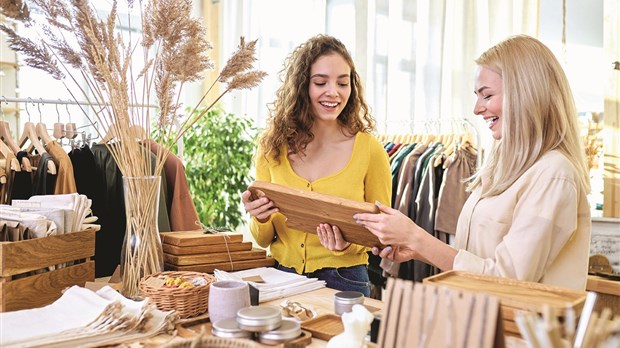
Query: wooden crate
pixel 41 289
pixel 514 295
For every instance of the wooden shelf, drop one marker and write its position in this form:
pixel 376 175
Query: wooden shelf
pixel 9 64
pixel 9 110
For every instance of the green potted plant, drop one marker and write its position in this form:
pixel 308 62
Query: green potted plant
pixel 218 159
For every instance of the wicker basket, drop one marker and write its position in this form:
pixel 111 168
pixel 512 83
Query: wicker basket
pixel 188 302
pixel 216 342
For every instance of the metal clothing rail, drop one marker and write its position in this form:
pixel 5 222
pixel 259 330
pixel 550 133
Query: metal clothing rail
pixel 462 121
pixel 63 102
pixel 84 103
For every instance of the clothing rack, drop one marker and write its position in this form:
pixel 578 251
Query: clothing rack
pixel 63 102
pixel 81 103
pixel 465 123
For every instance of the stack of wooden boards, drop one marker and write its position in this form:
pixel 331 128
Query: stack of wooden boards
pixel 200 252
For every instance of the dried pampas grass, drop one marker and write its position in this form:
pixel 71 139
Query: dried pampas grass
pixel 173 50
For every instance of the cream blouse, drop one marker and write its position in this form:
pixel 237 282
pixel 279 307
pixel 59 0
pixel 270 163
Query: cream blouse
pixel 537 230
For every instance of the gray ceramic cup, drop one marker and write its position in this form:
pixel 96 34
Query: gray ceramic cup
pixel 226 297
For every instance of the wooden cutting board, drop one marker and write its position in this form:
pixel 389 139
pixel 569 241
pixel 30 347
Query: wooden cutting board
pixel 325 326
pixel 206 249
pixel 305 210
pixel 187 238
pixel 224 266
pixel 184 260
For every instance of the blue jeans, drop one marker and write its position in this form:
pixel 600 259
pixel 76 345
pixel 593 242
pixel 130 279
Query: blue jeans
pixel 354 278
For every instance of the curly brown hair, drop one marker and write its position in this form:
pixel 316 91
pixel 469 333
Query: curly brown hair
pixel 291 116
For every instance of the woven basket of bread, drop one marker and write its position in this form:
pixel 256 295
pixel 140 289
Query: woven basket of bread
pixel 187 301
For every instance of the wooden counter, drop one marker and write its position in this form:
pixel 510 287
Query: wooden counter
pixel 322 301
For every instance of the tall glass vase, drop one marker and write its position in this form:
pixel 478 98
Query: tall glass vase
pixel 142 252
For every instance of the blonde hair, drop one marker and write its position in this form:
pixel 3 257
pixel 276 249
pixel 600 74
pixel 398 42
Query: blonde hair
pixel 539 113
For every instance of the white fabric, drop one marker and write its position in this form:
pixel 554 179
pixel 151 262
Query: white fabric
pixel 277 284
pixel 61 217
pixel 76 308
pixel 38 224
pixel 82 318
pixel 77 203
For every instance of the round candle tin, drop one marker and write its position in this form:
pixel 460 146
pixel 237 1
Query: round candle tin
pixel 228 328
pixel 259 318
pixel 344 301
pixel 289 329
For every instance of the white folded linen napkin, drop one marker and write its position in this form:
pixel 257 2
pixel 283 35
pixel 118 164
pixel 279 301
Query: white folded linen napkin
pixel 39 225
pixel 60 216
pixel 76 308
pixel 82 318
pixel 277 283
pixel 79 205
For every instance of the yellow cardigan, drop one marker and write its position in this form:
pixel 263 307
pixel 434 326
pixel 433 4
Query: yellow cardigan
pixel 366 178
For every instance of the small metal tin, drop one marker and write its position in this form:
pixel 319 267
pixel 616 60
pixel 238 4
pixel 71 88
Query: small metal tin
pixel 344 301
pixel 228 328
pixel 259 318
pixel 289 329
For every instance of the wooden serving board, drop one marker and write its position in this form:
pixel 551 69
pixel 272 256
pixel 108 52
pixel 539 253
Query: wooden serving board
pixel 224 266
pixel 206 249
pixel 324 327
pixel 185 260
pixel 193 238
pixel 513 294
pixel 305 210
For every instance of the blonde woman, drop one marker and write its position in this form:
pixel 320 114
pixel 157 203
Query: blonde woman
pixel 318 139
pixel 527 216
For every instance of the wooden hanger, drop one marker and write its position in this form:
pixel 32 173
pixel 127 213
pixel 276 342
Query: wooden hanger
pixel 9 145
pixel 7 137
pixel 59 131
pixel 6 152
pixel 31 134
pixel 70 130
pixel 42 133
pixel 59 128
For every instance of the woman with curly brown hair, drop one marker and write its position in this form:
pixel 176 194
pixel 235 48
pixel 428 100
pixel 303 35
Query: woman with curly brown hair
pixel 318 139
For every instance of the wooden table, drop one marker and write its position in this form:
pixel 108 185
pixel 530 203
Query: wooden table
pixel 322 301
